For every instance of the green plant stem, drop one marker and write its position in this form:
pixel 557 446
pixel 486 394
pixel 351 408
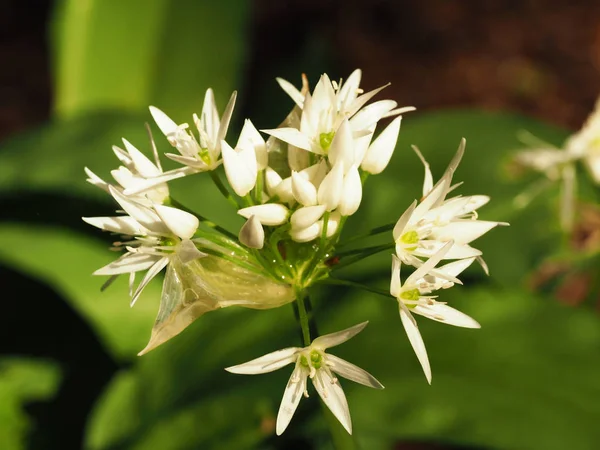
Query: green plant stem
pixel 364 287
pixel 303 316
pixel 354 256
pixel 223 190
pixel 204 220
pixel 372 232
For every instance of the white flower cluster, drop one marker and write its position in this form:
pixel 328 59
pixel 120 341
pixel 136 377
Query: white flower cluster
pixel 559 164
pixel 295 189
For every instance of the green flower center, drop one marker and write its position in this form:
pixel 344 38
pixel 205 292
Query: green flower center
pixel 204 156
pixel 325 139
pixel 316 360
pixel 168 242
pixel 412 294
pixel 410 237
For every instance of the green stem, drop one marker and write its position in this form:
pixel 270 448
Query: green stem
pixel 223 190
pixel 338 282
pixel 258 189
pixel 303 316
pixel 202 219
pixel 366 251
pixel 372 232
pixel 352 257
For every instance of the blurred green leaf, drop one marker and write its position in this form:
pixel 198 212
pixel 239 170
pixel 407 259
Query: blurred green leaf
pixel 128 55
pixel 22 381
pixel 531 368
pixel 65 261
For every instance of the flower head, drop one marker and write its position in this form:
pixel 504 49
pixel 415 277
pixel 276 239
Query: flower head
pixel 313 362
pixel 414 296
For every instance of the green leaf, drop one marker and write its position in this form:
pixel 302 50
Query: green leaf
pixel 530 369
pixel 22 381
pixel 65 261
pixel 128 55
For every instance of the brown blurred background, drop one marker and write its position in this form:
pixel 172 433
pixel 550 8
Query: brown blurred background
pixel 539 57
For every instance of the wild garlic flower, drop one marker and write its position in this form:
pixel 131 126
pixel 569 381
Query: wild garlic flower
pixel 154 236
pixel 296 190
pixel 414 297
pixel 559 164
pixel 135 172
pixel 313 362
pixel 426 226
pixel 200 154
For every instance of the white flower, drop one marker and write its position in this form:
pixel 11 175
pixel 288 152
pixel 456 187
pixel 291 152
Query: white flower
pixel 270 214
pixel 585 144
pixel 327 108
pixel 414 296
pixel 135 172
pixel 425 227
pixel 196 154
pixel 154 237
pixel 240 167
pixel 314 363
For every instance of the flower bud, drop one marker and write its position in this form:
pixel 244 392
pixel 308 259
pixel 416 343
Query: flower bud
pixel 252 234
pixel 304 191
pixel 270 214
pixel 240 168
pixel 330 191
pixel 306 216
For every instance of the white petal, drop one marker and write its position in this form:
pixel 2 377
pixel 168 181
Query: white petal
pixel 291 136
pixel 455 268
pixel 143 165
pixel 266 363
pixel 414 336
pixel 348 91
pixel 339 337
pixel 129 262
pixel 342 146
pixel 144 216
pixel 191 161
pixel 446 314
pixel 252 234
pixel 304 191
pixel 270 214
pixel 307 216
pixel 363 99
pixel 181 223
pixel 118 224
pixel 152 272
pixel 240 168
pixel 152 183
pixel 457 251
pixel 284 190
pixel 272 180
pixel 428 265
pixel 351 193
pixel 292 91
pixel 396 282
pixel 291 397
pixel 352 372
pixel 164 122
pixel 463 231
pixel 403 221
pixel 435 197
pixel 380 151
pixel 333 222
pixel 224 124
pixel 333 396
pixel 307 234
pixel 95 179
pixel 251 137
pixel 428 178
pixel 372 114
pixel 330 191
pixel 315 173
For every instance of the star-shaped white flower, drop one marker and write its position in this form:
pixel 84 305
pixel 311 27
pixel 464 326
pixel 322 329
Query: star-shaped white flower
pixel 197 154
pixel 153 236
pixel 321 367
pixel 135 172
pixel 329 105
pixel 425 227
pixel 414 296
pixel 585 144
